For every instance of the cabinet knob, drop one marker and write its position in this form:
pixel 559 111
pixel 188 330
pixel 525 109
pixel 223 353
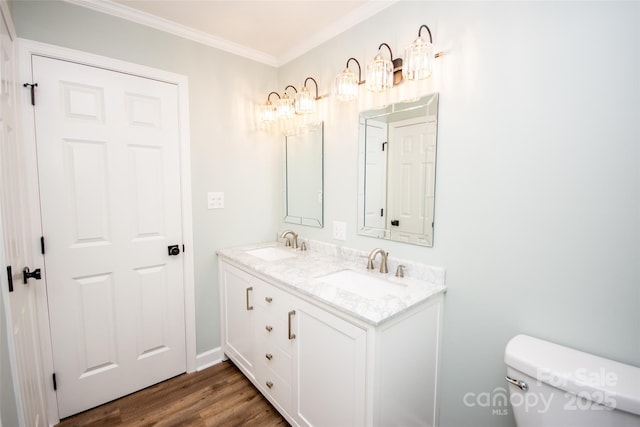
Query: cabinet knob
pixel 268 299
pixel 269 328
pixel 269 384
pixel 269 356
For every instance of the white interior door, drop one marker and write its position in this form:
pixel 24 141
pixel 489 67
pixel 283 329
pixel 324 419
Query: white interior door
pixel 412 169
pixel 109 174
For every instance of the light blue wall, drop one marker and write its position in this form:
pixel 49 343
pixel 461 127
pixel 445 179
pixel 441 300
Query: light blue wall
pixel 226 153
pixel 537 217
pixel 538 185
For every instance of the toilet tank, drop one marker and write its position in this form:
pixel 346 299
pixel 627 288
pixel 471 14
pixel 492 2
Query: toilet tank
pixel 552 385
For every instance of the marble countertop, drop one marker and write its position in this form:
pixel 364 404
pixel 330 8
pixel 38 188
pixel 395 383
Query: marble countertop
pixel 303 272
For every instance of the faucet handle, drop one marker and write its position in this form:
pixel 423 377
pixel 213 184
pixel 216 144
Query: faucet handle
pixel 400 270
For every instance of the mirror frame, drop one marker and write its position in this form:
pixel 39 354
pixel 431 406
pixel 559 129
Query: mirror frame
pixel 296 219
pixel 386 233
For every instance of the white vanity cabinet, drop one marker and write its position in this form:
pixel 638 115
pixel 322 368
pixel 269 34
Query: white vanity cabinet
pixel 237 316
pixel 321 367
pixel 329 369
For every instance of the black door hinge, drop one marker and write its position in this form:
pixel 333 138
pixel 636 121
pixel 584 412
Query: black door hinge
pixel 55 384
pixel 10 278
pixel 42 245
pixel 33 87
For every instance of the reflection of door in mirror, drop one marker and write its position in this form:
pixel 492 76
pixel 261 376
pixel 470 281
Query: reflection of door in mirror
pixel 376 178
pixel 397 151
pixel 410 181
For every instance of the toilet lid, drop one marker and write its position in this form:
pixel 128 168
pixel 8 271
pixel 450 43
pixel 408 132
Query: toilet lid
pixel 603 381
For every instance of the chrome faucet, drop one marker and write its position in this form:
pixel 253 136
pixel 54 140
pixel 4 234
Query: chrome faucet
pixel 293 242
pixel 383 260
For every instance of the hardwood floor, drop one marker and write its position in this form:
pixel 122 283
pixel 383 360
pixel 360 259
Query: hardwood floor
pixel 217 396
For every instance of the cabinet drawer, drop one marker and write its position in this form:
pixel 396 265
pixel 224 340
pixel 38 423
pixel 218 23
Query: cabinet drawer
pixel 274 358
pixel 275 387
pixel 272 328
pixel 273 299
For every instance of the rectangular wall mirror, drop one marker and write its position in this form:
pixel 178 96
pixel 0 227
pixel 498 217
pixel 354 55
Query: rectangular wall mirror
pixel 397 151
pixel 304 192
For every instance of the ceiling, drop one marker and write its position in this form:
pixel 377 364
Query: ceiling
pixel 268 31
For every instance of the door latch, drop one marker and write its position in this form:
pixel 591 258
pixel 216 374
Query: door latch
pixel 173 250
pixel 26 275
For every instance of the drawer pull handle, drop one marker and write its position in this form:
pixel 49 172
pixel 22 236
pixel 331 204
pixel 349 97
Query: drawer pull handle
pixel 269 384
pixel 269 328
pixel 269 356
pixel 249 307
pixel 291 335
pixel 268 299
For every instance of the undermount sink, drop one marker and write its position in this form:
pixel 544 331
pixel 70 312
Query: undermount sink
pixel 271 253
pixel 365 285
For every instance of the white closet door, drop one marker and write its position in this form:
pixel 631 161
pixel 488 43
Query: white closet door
pixel 109 173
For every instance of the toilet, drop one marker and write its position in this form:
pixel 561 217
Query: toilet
pixel 555 386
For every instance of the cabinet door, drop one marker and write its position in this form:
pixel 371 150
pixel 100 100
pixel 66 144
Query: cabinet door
pixel 329 369
pixel 237 316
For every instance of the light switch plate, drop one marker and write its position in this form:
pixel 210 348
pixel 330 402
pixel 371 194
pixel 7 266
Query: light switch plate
pixel 339 230
pixel 215 200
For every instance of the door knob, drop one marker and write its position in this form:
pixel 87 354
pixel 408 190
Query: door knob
pixel 26 274
pixel 173 250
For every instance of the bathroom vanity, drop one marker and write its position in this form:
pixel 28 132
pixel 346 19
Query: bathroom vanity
pixel 330 343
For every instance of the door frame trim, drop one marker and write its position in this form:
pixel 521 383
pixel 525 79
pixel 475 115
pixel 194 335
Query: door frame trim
pixel 26 132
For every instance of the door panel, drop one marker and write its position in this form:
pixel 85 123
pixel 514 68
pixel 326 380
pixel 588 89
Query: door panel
pixel 108 161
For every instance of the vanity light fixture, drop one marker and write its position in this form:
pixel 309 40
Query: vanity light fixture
pixel 418 57
pixel 382 73
pixel 286 108
pixel 305 102
pixel 267 113
pixel 346 87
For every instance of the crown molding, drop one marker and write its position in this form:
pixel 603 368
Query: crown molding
pixel 350 20
pixel 121 11
pixel 358 15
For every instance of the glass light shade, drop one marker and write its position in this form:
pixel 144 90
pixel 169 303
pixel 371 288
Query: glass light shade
pixel 305 102
pixel 267 113
pixel 379 74
pixel 346 88
pixel 418 60
pixel 286 109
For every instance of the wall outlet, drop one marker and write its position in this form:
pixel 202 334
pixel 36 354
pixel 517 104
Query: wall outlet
pixel 215 200
pixel 339 230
